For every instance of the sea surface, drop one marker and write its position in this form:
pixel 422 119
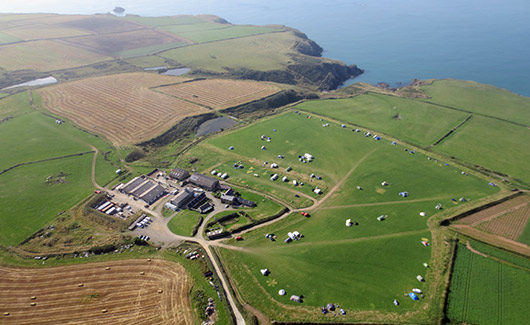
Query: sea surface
pixel 393 41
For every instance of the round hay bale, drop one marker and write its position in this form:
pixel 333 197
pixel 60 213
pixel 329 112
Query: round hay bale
pixel 33 298
pixel 6 313
pixel 80 285
pixel 160 291
pixel 107 268
pixel 142 273
pixel 104 311
pixel 33 304
pixel 148 260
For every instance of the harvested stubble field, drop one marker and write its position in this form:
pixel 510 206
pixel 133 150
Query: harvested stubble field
pixel 219 93
pixel 120 107
pixel 119 294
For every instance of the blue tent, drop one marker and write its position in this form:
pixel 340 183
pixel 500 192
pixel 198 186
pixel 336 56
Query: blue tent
pixel 413 296
pixel 394 142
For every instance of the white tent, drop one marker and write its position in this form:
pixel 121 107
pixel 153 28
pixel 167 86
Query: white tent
pixel 265 272
pixel 281 292
pixel 348 223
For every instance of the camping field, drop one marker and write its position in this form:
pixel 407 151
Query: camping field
pixel 375 261
pixel 109 292
pixel 484 291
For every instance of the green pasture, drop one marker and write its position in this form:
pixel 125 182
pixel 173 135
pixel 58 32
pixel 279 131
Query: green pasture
pixel 32 136
pixel 28 202
pixel 260 52
pixel 483 291
pixel 496 145
pixel 183 222
pixel 198 27
pixel 163 21
pixel 409 120
pixel 148 50
pixel 6 38
pixel 265 207
pixel 499 253
pixel 480 98
pixel 225 33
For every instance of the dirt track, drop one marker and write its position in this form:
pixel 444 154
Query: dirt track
pixel 128 296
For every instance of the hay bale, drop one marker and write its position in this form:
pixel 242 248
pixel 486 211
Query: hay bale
pixel 142 273
pixel 160 291
pixel 6 313
pixel 80 285
pixel 107 268
pixel 148 260
pixel 33 298
pixel 33 304
pixel 104 311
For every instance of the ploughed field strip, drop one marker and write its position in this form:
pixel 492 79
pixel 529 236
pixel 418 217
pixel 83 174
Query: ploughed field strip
pixel 121 107
pixel 220 94
pixel 126 292
pixel 495 211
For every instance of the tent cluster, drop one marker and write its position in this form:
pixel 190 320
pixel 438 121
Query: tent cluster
pixel 295 235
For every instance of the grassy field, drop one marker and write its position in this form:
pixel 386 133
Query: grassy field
pixel 262 52
pixel 483 291
pixel 491 143
pixel 480 98
pixel 30 202
pixel 229 32
pixel 183 222
pixel 413 121
pixel 31 136
pixel 6 38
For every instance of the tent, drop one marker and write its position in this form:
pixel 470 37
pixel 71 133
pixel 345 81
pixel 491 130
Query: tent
pixel 281 292
pixel 404 194
pixel 420 278
pixel 423 214
pixel 296 298
pixel 330 307
pixel 348 223
pixel 265 272
pixel 413 296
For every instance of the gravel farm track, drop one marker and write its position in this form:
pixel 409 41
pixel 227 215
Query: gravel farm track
pixel 125 292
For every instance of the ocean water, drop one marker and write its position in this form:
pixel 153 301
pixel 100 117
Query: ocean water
pixel 393 41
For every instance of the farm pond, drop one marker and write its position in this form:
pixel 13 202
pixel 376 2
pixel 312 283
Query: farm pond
pixel 216 124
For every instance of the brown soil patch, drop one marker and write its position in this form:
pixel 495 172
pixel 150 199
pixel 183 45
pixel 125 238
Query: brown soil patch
pixel 91 293
pixel 509 225
pixel 219 93
pixel 121 107
pixel 494 211
pixel 45 55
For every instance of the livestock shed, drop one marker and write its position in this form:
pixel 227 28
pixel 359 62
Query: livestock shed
pixel 179 174
pixel 132 184
pixel 206 182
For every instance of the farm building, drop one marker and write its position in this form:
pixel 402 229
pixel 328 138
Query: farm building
pixel 205 208
pixel 206 182
pixel 179 174
pixel 142 188
pixel 171 206
pixel 132 184
pixel 153 194
pixel 183 198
